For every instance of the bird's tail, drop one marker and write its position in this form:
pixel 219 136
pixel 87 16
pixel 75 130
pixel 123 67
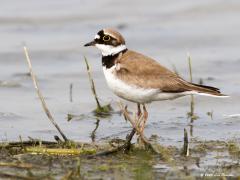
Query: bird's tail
pixel 207 90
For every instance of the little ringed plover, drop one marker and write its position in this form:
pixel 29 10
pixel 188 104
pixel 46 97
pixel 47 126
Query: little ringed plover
pixel 138 78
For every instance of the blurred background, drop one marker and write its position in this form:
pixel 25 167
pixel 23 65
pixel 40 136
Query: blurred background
pixel 55 32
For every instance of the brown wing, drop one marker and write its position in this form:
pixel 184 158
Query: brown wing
pixel 145 72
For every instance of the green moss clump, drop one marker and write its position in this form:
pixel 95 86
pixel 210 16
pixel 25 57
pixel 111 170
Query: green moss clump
pixel 103 167
pixel 103 110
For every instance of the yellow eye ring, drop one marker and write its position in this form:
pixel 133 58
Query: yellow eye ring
pixel 106 38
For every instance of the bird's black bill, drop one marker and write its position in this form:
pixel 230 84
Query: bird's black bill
pixel 92 43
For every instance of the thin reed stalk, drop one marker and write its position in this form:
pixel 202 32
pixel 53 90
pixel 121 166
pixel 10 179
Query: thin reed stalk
pixel 44 105
pixel 100 111
pixel 71 92
pixel 192 103
pixel 92 84
pixel 186 144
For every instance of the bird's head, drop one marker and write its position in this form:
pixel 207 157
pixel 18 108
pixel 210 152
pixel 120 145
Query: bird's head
pixel 109 41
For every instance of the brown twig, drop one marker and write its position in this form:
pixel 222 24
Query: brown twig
pixel 190 66
pixel 186 144
pixel 127 145
pixel 191 80
pixel 44 105
pixel 92 84
pixel 93 134
pixel 100 111
pixel 191 113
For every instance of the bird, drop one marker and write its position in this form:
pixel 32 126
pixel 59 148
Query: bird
pixel 138 78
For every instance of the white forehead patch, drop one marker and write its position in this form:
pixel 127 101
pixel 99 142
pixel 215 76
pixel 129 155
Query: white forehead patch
pixel 97 36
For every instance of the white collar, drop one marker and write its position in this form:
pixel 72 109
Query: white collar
pixel 108 50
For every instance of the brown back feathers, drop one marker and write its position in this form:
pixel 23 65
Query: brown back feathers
pixel 146 73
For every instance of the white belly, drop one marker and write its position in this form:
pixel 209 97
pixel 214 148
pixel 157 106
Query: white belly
pixel 134 93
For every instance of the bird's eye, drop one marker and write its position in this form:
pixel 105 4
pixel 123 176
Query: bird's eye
pixel 106 38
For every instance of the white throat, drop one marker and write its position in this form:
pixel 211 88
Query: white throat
pixel 108 50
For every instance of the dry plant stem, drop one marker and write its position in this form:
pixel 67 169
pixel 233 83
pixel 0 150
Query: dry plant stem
pixel 92 83
pixel 192 108
pixel 186 143
pixel 70 92
pixel 191 80
pixel 191 129
pixel 190 67
pixel 44 105
pixel 93 134
pixel 127 145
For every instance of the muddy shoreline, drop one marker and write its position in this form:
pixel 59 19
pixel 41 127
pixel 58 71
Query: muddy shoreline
pixel 208 159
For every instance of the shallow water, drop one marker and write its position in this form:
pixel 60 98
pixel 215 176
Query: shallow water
pixel 55 33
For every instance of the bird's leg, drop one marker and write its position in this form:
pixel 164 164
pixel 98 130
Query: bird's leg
pixel 138 120
pixel 126 146
pixel 145 116
pixel 139 112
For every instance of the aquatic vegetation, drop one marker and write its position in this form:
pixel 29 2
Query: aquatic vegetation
pixel 100 110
